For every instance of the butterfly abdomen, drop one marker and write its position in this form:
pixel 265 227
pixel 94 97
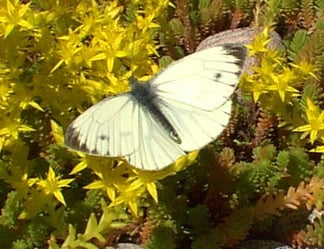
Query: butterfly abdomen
pixel 146 97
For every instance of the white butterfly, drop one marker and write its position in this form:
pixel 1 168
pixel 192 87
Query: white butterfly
pixel 181 109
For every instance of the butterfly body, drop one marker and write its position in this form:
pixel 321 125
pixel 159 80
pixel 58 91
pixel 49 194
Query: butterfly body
pixel 147 98
pixel 181 109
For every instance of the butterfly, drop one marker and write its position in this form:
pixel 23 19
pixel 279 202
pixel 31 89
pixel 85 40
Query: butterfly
pixel 183 108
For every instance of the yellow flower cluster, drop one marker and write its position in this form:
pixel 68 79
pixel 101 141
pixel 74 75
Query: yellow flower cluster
pixel 273 78
pixel 55 57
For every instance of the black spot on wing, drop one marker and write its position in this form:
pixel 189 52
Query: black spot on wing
pixel 217 76
pixel 103 137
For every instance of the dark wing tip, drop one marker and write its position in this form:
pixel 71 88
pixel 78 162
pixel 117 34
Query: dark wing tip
pixel 238 50
pixel 71 138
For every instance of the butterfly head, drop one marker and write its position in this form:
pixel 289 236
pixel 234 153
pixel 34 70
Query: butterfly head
pixel 141 90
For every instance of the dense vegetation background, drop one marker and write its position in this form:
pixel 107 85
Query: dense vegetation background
pixel 262 179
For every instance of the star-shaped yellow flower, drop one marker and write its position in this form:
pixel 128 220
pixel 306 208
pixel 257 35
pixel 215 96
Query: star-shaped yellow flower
pixel 315 119
pixel 53 185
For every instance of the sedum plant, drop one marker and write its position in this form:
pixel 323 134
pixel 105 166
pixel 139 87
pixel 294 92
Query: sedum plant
pixel 59 57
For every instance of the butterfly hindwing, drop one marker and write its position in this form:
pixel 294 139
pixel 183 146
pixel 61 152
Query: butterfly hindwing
pixel 196 127
pixel 156 149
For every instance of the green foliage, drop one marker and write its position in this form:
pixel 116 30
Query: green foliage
pixel 270 171
pixel 234 228
pixel 161 238
pixel 59 57
pixel 296 43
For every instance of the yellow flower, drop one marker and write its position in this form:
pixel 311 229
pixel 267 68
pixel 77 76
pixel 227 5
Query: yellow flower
pixel 315 119
pixel 12 128
pixel 259 44
pixel 14 15
pixel 53 185
pixel 131 195
pixel 109 177
pixel 281 84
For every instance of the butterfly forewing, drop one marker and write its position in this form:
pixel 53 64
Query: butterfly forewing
pixel 105 129
pixel 204 79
